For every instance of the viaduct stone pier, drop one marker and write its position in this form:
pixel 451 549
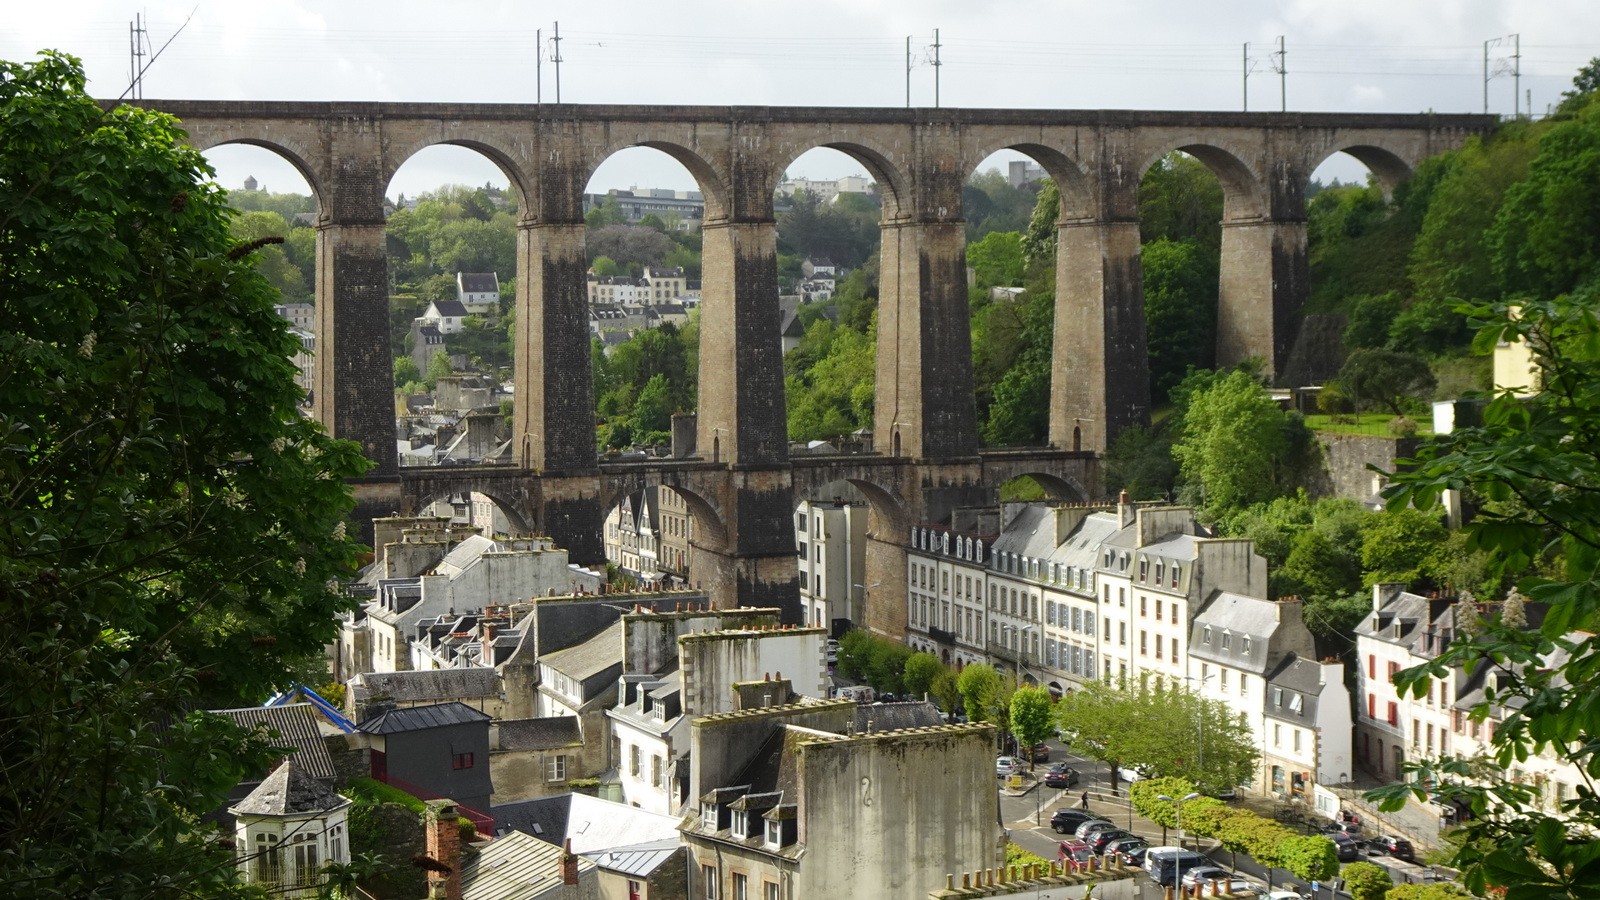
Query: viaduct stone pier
pixel 742 486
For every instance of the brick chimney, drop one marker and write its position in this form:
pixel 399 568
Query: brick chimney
pixel 1126 509
pixel 444 846
pixel 569 863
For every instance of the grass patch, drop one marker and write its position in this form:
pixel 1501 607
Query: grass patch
pixel 1374 424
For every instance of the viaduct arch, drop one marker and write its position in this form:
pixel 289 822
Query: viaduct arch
pixel 925 420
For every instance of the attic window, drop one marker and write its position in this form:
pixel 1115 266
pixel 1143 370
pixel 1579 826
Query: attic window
pixel 708 815
pixel 1245 645
pixel 1205 635
pixel 774 834
pixel 1227 640
pixel 1175 574
pixel 1296 703
pixel 741 823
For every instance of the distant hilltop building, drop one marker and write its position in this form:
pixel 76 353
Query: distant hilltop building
pixel 1024 171
pixel 682 210
pixel 479 293
pixel 826 191
pixel 250 182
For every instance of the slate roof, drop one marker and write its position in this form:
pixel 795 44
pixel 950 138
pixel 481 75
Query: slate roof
pixel 450 309
pixel 592 824
pixel 465 553
pixel 289 791
pixel 478 282
pixel 540 734
pixel 418 718
pixel 516 867
pixel 590 658
pixel 895 716
pixel 637 860
pixel 1238 616
pixel 436 684
pixel 1031 533
pixel 296 725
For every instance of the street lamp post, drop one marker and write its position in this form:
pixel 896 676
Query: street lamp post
pixel 1177 809
pixel 1200 726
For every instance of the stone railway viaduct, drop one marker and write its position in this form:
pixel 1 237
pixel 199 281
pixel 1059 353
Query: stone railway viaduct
pixel 742 486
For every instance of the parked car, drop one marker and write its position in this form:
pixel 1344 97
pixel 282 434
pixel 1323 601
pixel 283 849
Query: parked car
pixel 831 651
pixel 1100 839
pixel 1074 853
pixel 1122 845
pixel 1132 852
pixel 1007 765
pixel 1204 875
pixel 1068 820
pixel 1397 847
pixel 1040 753
pixel 1348 848
pixel 1061 775
pixel 1087 829
pixel 1132 775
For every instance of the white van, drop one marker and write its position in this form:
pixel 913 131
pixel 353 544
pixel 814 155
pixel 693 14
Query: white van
pixel 1166 865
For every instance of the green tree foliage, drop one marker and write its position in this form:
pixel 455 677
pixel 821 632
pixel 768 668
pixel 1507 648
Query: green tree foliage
pixel 1370 319
pixel 1180 200
pixel 1309 857
pixel 921 670
pixel 1402 546
pixel 982 692
pixel 1385 378
pixel 1546 238
pixel 855 653
pixel 605 267
pixel 1238 447
pixel 405 370
pixel 631 247
pixel 844 231
pixel 1366 881
pixel 1039 240
pixel 1585 85
pixel 273 261
pixel 454 229
pixel 996 260
pixel 1533 462
pixel 991 204
pixel 1164 732
pixel 438 367
pixel 642 381
pixel 171 522
pixel 1180 310
pixel 945 691
pixel 886 664
pixel 1140 462
pixel 1032 715
pixel 834 395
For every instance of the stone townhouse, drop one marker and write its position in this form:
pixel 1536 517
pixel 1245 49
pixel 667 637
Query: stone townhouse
pixel 773 785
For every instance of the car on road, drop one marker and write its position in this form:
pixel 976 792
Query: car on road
pixel 1074 853
pixel 1204 875
pixel 1347 847
pixel 1040 753
pixel 1285 895
pixel 1068 820
pixel 831 651
pixel 1007 765
pixel 1088 829
pixel 1103 837
pixel 1397 847
pixel 1061 775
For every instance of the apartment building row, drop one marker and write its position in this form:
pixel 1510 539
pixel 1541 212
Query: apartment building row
pixel 1404 630
pixel 1059 595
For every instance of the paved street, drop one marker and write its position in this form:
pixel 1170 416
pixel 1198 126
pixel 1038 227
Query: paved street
pixel 1028 819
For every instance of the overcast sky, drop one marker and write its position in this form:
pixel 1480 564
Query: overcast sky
pixel 1342 55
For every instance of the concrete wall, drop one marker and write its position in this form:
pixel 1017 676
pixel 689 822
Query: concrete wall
pixel 711 662
pixel 520 774
pixel 652 638
pixel 887 815
pixel 1229 565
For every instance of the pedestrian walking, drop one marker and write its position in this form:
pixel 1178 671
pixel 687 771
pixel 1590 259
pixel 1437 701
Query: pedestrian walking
pixel 1083 801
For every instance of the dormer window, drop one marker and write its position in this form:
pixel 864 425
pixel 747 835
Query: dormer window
pixel 1175 568
pixel 1245 645
pixel 1296 703
pixel 774 834
pixel 1160 570
pixel 1205 635
pixel 741 823
pixel 1227 640
pixel 708 815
